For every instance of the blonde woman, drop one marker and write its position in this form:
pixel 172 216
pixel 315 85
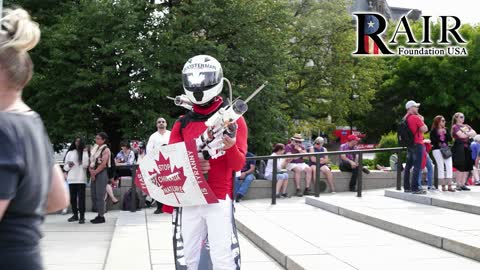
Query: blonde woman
pixel 30 183
pixel 461 153
pixel 319 148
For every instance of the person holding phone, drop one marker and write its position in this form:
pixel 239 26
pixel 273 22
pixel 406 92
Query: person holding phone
pixel 76 164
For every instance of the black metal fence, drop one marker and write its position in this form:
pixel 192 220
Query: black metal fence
pixel 318 155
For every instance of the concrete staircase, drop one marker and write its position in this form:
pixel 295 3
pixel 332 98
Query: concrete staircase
pixel 301 236
pixel 427 219
pixel 261 189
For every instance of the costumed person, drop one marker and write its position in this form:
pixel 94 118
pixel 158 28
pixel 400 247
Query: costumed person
pixel 205 237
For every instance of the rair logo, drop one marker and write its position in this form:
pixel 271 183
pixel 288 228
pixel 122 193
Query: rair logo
pixel 371 40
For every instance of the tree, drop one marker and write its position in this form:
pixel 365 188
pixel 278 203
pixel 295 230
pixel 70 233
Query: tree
pixel 325 80
pixel 443 85
pixel 108 65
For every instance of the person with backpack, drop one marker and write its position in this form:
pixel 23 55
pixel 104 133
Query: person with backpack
pixel 411 135
pixel 100 161
pixel 76 164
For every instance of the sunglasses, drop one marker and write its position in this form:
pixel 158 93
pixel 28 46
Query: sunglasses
pixel 461 116
pixel 160 122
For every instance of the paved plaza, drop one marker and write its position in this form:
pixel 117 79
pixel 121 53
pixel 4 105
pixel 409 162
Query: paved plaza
pixel 139 240
pixel 337 231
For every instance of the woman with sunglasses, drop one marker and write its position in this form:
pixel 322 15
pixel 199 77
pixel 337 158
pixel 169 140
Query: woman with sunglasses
pixel 440 138
pixel 461 153
pixel 316 148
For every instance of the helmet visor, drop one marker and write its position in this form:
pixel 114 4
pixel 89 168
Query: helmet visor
pixel 201 81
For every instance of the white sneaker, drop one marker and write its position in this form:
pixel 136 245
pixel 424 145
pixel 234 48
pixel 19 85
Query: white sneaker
pixel 65 211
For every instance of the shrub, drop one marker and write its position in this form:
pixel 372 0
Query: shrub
pixel 369 163
pixel 387 141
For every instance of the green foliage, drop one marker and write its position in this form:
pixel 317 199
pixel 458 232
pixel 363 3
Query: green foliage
pixel 369 163
pixel 334 167
pixel 443 85
pixel 387 141
pixel 109 64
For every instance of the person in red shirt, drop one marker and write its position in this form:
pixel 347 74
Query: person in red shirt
pixel 213 223
pixel 415 151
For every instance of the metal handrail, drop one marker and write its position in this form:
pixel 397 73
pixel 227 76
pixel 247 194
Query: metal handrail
pixel 318 155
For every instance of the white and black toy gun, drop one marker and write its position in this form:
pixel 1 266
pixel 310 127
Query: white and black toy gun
pixel 182 101
pixel 210 143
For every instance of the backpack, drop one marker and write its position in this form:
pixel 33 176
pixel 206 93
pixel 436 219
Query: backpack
pixel 127 200
pixel 112 169
pixel 404 134
pixel 260 169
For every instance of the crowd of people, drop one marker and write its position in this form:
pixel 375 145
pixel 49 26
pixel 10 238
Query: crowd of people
pixel 462 155
pixel 84 164
pixel 301 167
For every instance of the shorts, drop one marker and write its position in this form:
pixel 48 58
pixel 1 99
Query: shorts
pixel 302 166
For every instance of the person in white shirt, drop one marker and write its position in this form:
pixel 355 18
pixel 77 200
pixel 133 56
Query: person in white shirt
pixel 282 175
pixel 157 139
pixel 76 164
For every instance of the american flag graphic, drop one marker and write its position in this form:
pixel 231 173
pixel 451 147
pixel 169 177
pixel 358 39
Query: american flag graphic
pixel 371 26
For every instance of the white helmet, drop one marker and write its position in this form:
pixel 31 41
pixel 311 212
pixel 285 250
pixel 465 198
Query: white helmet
pixel 202 78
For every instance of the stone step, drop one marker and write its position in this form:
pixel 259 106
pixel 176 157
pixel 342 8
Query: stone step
pixel 299 236
pixel 464 201
pixel 262 189
pixel 447 229
pixel 129 248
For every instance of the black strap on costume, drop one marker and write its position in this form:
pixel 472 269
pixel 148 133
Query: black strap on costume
pixel 192 116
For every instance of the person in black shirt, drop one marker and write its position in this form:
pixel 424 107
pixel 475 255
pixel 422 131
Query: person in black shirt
pixel 30 183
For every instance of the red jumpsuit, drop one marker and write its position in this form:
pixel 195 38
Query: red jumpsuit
pixel 212 221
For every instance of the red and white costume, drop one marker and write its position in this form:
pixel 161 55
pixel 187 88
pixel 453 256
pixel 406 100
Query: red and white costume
pixel 213 222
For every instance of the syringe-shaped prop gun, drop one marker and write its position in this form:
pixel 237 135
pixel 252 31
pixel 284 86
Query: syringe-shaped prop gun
pixel 210 143
pixel 182 101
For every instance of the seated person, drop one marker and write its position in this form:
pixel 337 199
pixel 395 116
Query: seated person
pixel 282 175
pixel 348 162
pixel 297 165
pixel 393 160
pixel 246 176
pixel 316 148
pixel 124 157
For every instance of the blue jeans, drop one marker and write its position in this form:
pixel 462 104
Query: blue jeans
pixel 414 159
pixel 429 173
pixel 243 187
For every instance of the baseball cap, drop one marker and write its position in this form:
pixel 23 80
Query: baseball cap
pixel 411 103
pixel 353 138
